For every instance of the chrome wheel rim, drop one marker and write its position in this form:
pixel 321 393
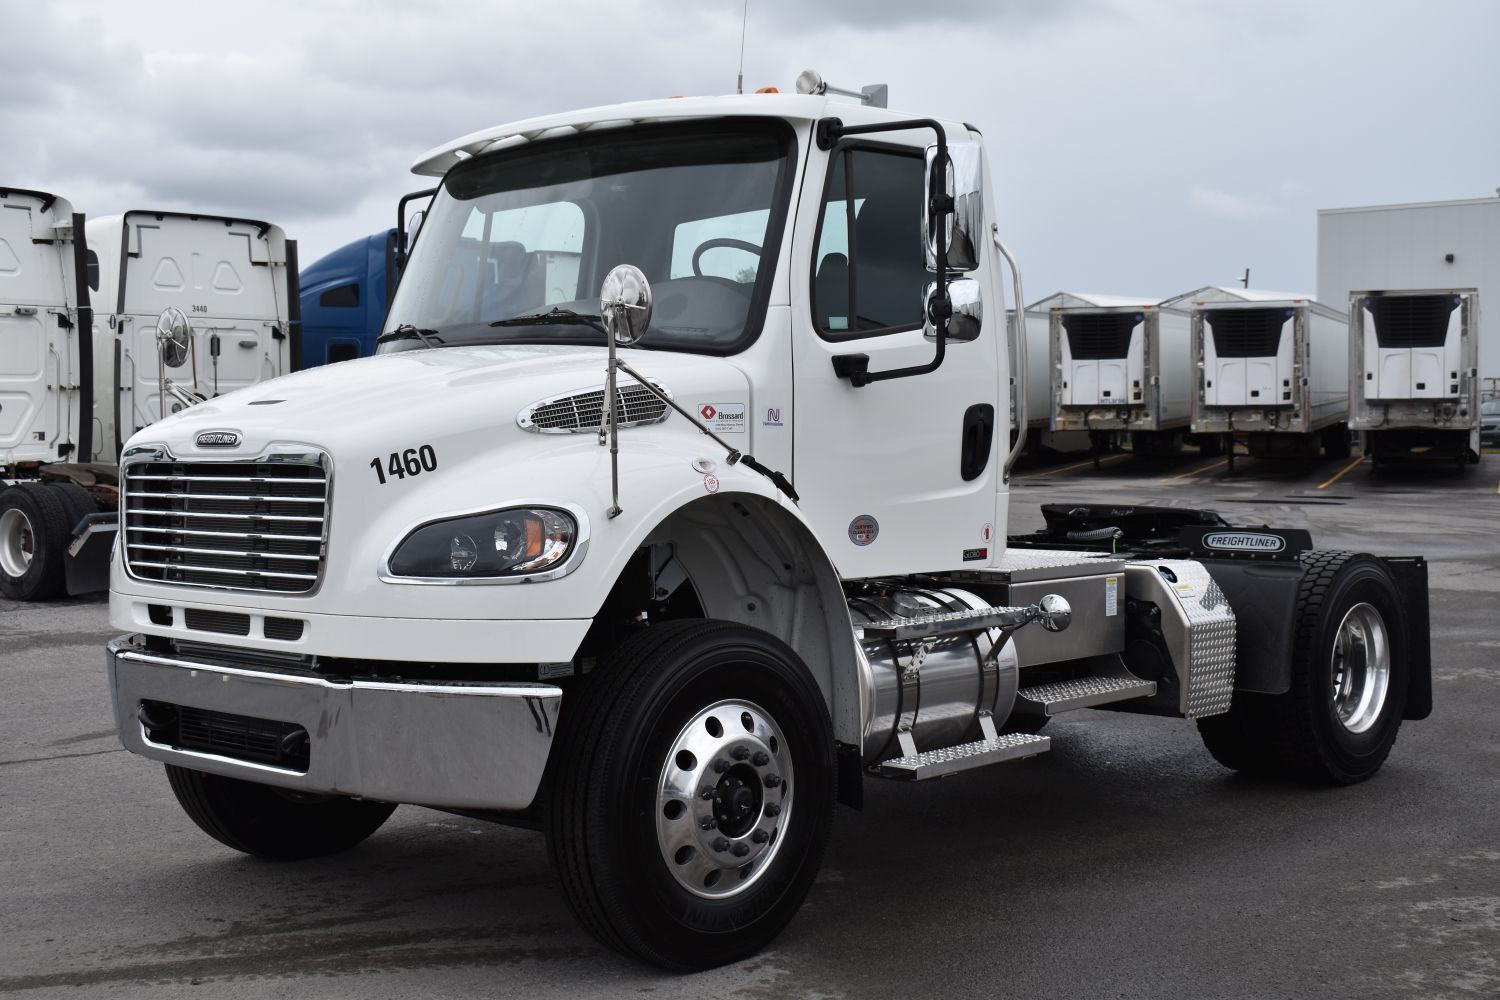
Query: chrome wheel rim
pixel 723 799
pixel 17 542
pixel 1360 668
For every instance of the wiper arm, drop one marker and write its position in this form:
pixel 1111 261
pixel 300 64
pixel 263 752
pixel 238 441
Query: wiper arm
pixel 406 331
pixel 556 317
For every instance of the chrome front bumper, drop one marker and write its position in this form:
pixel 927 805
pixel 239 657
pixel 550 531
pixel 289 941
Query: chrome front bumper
pixel 456 745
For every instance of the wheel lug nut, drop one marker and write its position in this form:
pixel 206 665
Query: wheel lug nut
pixel 761 758
pixel 706 792
pixel 772 780
pixel 720 844
pixel 707 823
pixel 760 836
pixel 740 753
pixel 721 765
pixel 772 809
pixel 740 850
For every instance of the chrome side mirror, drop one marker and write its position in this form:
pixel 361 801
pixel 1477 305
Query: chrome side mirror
pixel 967 319
pixel 962 230
pixel 625 304
pixel 174 334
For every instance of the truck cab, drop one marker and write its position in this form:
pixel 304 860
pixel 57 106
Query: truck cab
pixel 672 510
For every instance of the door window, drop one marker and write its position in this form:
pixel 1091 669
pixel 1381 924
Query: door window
pixel 876 263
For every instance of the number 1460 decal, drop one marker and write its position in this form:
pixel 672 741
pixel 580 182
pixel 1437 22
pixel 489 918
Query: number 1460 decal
pixel 411 462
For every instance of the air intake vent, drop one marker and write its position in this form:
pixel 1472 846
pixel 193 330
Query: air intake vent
pixel 227 622
pixel 1411 320
pixel 583 411
pixel 285 629
pixel 232 525
pixel 1247 333
pixel 1098 336
pixel 240 737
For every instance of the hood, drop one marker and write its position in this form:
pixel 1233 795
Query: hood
pixel 413 397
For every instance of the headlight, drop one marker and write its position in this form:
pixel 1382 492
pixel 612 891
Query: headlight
pixel 517 542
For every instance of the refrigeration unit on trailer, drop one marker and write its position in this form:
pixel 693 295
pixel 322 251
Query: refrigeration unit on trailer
pixel 1270 365
pixel 56 507
pixel 232 282
pixel 1037 387
pixel 1414 373
pixel 1120 365
pixel 668 566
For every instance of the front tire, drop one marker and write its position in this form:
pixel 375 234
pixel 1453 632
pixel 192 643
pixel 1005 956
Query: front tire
pixel 1339 719
pixel 691 793
pixel 271 823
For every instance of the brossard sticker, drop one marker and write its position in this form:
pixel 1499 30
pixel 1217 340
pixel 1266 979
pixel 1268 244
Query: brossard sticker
pixel 1243 541
pixel 723 418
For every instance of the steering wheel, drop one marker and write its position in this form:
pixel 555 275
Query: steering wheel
pixel 720 241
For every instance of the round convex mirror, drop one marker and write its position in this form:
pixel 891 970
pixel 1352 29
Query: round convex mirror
pixel 173 335
pixel 625 304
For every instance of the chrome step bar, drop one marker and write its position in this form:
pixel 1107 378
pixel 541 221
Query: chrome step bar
pixel 1083 692
pixel 995 747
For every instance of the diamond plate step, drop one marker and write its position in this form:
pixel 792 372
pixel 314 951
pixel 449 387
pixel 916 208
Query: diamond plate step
pixel 965 756
pixel 1085 692
pixel 946 623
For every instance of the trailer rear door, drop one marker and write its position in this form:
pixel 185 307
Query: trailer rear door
pixel 37 412
pixel 220 273
pixel 1102 357
pixel 1247 355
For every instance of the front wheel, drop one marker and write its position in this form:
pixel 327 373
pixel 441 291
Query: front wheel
pixel 271 823
pixel 1337 723
pixel 691 793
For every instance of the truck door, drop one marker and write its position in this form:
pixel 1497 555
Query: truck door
pixel 220 274
pixel 36 352
pixel 901 475
pixel 1412 345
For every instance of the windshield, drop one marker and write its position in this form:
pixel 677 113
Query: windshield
pixel 699 208
pixel 1490 408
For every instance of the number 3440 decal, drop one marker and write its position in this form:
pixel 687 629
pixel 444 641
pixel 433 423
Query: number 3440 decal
pixel 400 464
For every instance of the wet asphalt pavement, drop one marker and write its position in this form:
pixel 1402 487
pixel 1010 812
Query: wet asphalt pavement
pixel 1124 863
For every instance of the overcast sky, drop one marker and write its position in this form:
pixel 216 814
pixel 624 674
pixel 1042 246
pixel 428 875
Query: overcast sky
pixel 1140 147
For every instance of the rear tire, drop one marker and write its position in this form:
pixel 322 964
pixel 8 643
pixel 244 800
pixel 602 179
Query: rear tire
pixel 271 823
pixel 1337 723
pixel 1336 442
pixel 33 535
pixel 652 866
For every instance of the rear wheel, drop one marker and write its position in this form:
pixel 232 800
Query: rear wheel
pixel 1336 442
pixel 691 793
pixel 1339 720
pixel 273 823
pixel 33 534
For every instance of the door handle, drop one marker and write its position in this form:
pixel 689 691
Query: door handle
pixel 977 436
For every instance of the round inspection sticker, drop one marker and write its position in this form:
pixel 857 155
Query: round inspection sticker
pixel 863 530
pixel 711 483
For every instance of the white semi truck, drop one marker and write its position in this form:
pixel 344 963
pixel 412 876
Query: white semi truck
pixel 668 561
pixel 1121 364
pixel 106 326
pixel 1414 373
pixel 1270 365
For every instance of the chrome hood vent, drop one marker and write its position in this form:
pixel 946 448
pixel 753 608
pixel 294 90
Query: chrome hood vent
pixel 583 411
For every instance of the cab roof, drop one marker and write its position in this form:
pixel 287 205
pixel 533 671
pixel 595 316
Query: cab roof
pixel 792 107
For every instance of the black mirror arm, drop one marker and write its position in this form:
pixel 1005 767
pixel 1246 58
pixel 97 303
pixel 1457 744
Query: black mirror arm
pixel 856 367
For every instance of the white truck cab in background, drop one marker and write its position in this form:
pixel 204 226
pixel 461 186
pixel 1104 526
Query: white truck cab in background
pixel 672 510
pixel 105 326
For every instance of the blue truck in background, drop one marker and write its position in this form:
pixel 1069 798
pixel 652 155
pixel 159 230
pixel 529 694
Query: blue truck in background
pixel 344 299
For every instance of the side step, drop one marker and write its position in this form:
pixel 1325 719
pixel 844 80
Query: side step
pixel 951 760
pixel 1084 692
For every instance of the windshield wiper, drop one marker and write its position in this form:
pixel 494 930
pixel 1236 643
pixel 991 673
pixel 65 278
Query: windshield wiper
pixel 557 317
pixel 406 331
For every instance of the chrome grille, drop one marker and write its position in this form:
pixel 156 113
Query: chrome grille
pixel 584 411
pixel 257 525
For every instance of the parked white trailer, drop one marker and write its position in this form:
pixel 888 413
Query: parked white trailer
pixel 1119 364
pixel 228 276
pixel 1037 388
pixel 669 567
pixel 1414 372
pixel 1271 364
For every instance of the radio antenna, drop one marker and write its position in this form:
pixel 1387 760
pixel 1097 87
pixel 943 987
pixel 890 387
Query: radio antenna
pixel 739 81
